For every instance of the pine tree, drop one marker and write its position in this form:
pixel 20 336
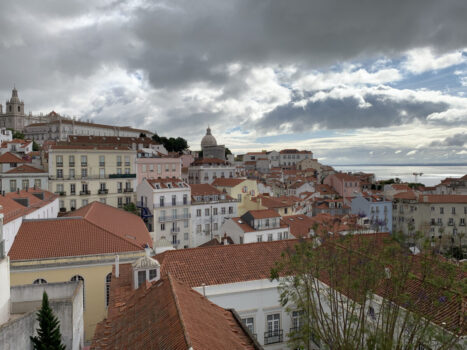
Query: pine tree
pixel 48 334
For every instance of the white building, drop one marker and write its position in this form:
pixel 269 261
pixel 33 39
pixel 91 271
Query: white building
pixel 165 207
pixel 17 146
pixel 206 170
pixel 377 210
pixel 24 177
pixel 290 157
pixel 5 135
pixel 256 226
pixel 25 204
pixel 210 208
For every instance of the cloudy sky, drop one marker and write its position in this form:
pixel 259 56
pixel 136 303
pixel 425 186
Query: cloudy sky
pixel 353 81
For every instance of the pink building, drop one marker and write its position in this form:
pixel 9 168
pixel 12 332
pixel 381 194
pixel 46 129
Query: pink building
pixel 160 167
pixel 345 185
pixel 187 159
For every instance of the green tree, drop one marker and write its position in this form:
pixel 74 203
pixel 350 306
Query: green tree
pixel 48 334
pixel 367 292
pixel 171 144
pixel 17 134
pixel 227 152
pixel 131 207
pixel 35 146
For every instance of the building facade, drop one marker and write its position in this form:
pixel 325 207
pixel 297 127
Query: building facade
pixel 165 207
pixel 210 147
pixel 83 174
pixel 207 170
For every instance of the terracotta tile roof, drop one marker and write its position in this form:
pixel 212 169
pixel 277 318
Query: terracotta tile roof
pixel 445 198
pixel 89 232
pixel 264 214
pixel 227 182
pixel 89 147
pixel 22 169
pixel 164 183
pixel 12 209
pixel 166 314
pixel 224 263
pixel 11 158
pixel 299 225
pixel 204 190
pixel 409 195
pixel 117 221
pixel 346 177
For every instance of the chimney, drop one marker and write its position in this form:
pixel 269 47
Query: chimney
pixel 117 266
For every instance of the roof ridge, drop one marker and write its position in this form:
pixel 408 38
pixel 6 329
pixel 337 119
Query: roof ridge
pixel 179 311
pixel 113 234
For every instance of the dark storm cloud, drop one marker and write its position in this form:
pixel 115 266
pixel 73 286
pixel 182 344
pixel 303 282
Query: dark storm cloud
pixel 457 140
pixel 347 113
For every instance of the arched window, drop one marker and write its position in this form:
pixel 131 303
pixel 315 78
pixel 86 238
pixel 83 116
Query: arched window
pixel 39 281
pixel 108 279
pixel 77 278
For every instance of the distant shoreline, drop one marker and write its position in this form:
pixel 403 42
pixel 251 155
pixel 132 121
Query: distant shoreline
pixel 425 164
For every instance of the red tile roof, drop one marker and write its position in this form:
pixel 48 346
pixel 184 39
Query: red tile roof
pixel 166 314
pixel 11 158
pixel 227 182
pixel 163 183
pixel 224 263
pixel 94 229
pixel 409 195
pixel 299 225
pixel 89 147
pixel 264 214
pixel 204 190
pixel 23 169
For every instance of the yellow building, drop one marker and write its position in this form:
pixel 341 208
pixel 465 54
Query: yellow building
pixel 81 174
pixel 240 189
pixel 82 245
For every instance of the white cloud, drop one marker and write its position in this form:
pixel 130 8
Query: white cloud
pixel 411 153
pixel 398 151
pixel 423 59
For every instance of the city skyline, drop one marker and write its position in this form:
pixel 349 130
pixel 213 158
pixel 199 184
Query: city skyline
pixel 388 90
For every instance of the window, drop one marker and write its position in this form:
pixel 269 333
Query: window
pixel 127 160
pixel 25 184
pixel 141 277
pixel 59 173
pixel 216 226
pixel 162 227
pixel 59 160
pixel 259 238
pixel 12 185
pixel 214 211
pixel 71 161
pixel 297 320
pixel 39 281
pixel 73 204
pixel 451 222
pixel 185 236
pixel 279 235
pixel 223 210
pixel 159 168
pixel 108 278
pixel 249 323
pixel 84 173
pixel 37 183
pixel 84 160
pixel 462 222
pixel 453 210
pixel 101 160
pixel 269 237
pixel 174 167
pixel 72 173
pixel 161 201
pixel 198 212
pixel 206 212
pixel 101 173
pixel 174 200
pixel 77 278
pixel 185 199
pixel 198 228
pixel 239 197
pixel 441 210
pixel 371 313
pixel 152 274
pixel 84 202
pixel 185 223
pixel 273 332
pixel 207 228
pixel 286 235
pixel 144 168
pixel 230 210
pixel 127 170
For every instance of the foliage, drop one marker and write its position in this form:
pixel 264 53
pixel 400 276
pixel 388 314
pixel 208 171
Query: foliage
pixel 367 292
pixel 390 181
pixel 131 207
pixel 171 144
pixel 142 134
pixel 35 146
pixel 227 152
pixel 48 334
pixel 17 134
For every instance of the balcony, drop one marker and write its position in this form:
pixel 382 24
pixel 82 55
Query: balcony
pixel 171 204
pixel 122 176
pixel 103 191
pixel 59 165
pixel 128 190
pixel 61 193
pixel 62 210
pixel 84 165
pixel 84 193
pixel 119 190
pixel 174 218
pixel 175 230
pixel 101 164
pixel 273 337
pixel 119 163
pixel 71 165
